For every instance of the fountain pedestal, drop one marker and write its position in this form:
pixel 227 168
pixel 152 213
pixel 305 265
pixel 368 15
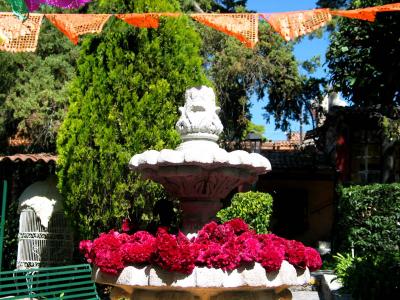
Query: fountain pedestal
pixel 197 212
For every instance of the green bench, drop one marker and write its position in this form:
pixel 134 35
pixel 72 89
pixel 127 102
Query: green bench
pixel 66 282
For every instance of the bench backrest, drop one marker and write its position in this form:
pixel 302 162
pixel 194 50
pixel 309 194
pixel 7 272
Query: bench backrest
pixel 66 282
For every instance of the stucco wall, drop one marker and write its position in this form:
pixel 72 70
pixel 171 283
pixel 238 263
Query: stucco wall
pixel 319 210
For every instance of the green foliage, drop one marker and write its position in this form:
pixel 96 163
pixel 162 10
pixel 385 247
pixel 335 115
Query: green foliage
pixel 342 266
pixel 11 226
pixel 229 5
pixel 213 5
pixel 197 6
pixel 332 3
pixel 257 129
pixel 124 100
pixel 255 208
pixel 362 57
pixel 33 97
pixel 391 128
pixel 328 262
pixel 238 73
pixel 371 277
pixel 369 218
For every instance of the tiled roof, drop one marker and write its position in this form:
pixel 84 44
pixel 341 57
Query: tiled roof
pixel 38 157
pixel 280 160
pixel 279 146
pixel 296 160
pixel 294 137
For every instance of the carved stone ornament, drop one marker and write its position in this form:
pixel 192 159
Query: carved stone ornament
pixel 199 116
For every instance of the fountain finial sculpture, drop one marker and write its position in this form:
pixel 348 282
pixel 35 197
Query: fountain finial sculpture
pixel 199 172
pixel 199 117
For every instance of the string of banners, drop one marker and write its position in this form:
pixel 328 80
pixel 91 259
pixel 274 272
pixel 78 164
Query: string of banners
pixel 21 34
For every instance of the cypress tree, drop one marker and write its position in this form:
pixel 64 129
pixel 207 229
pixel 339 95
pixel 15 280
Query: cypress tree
pixel 123 101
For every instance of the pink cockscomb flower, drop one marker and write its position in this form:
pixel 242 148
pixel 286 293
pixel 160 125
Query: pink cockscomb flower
pixel 271 257
pixel 225 247
pixel 139 249
pixel 107 254
pixel 173 253
pixel 312 258
pixel 295 254
pixel 85 247
pixel 248 246
pixel 238 225
pixel 126 225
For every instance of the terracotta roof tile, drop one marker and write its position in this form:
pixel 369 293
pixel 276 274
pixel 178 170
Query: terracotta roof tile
pixel 296 160
pixel 279 145
pixel 37 157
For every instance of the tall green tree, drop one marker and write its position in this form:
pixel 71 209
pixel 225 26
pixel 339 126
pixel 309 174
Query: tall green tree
pixel 269 70
pixel 123 101
pixel 258 130
pixel 33 89
pixel 364 64
pixel 212 5
pixel 363 57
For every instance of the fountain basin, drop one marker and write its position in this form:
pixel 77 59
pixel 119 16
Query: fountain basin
pixel 247 282
pixel 200 172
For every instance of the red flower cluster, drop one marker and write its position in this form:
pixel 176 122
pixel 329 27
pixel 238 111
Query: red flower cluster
pixel 174 253
pixel 139 248
pixel 225 246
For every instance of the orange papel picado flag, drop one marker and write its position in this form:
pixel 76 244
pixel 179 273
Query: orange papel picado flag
pixel 244 27
pixel 17 35
pixel 140 20
pixel 361 14
pixel 388 7
pixel 291 25
pixel 145 20
pixel 368 13
pixel 74 25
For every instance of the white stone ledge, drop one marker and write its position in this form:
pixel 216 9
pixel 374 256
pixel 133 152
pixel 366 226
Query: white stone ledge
pixel 205 157
pixel 253 275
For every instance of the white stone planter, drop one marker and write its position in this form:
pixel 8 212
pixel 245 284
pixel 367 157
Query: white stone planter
pixel 247 282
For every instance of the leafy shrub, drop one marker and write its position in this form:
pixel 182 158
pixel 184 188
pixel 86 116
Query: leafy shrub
pixel 370 277
pixel 343 264
pixel 124 100
pixel 254 208
pixel 369 218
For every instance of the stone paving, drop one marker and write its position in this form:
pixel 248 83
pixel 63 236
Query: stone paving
pixel 306 295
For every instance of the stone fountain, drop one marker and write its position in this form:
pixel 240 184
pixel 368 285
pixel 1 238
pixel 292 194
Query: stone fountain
pixel 200 174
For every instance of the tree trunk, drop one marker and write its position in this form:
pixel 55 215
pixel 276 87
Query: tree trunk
pixel 388 151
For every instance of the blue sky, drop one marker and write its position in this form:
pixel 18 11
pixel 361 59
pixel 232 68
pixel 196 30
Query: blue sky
pixel 303 51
